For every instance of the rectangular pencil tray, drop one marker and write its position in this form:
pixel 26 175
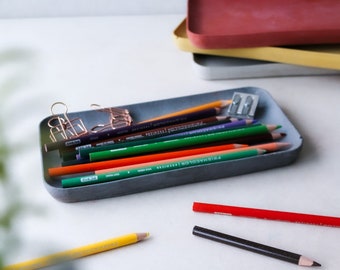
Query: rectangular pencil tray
pixel 267 112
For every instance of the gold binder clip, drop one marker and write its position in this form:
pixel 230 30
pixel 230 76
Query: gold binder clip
pixel 117 118
pixel 63 128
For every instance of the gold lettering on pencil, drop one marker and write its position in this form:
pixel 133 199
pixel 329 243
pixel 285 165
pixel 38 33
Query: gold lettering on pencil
pixel 134 137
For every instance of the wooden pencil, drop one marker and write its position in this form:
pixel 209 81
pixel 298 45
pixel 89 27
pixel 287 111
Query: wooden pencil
pixel 301 218
pixel 182 142
pixel 268 147
pixel 213 104
pixel 90 138
pixel 254 247
pixel 176 159
pixel 93 166
pixel 148 170
pixel 79 252
pixel 249 140
pixel 148 136
pixel 82 152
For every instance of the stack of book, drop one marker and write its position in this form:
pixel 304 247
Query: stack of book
pixel 243 39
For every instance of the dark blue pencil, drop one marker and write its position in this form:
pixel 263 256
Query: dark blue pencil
pixel 87 139
pixel 84 153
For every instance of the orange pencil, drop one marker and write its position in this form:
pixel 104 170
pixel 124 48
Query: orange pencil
pixel 210 105
pixel 94 166
pixel 268 147
pixel 169 160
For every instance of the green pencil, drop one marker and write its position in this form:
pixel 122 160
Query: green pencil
pixel 122 174
pixel 182 142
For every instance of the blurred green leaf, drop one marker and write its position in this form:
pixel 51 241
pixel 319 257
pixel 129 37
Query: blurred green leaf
pixel 12 205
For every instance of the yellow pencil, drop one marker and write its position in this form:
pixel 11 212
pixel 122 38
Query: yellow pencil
pixel 79 252
pixel 210 105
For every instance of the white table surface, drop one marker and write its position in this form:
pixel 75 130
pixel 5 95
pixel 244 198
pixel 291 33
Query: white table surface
pixel 121 60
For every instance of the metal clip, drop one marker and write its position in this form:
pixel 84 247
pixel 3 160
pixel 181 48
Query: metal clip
pixel 117 118
pixel 63 128
pixel 243 105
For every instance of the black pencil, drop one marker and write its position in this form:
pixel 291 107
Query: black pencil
pixel 254 247
pixel 103 135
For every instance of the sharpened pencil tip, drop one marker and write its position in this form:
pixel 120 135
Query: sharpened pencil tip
pixel 142 236
pixel 316 264
pixel 273 127
pixel 304 261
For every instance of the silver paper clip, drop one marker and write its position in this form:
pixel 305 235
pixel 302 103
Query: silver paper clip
pixel 243 105
pixel 117 118
pixel 63 128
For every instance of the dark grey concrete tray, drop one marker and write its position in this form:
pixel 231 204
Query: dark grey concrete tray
pixel 267 112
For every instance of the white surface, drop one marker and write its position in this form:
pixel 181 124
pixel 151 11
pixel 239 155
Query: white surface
pixel 120 60
pixel 52 8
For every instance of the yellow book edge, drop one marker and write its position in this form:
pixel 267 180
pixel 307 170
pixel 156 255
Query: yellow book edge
pixel 319 56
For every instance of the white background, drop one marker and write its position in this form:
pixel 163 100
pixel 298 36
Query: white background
pixel 46 8
pixel 114 60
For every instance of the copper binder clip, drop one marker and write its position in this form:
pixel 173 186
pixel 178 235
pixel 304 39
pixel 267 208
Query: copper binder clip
pixel 63 128
pixel 117 118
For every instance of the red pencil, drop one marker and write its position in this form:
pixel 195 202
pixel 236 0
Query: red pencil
pixel 267 214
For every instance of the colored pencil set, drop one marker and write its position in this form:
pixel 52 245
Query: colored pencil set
pixel 264 214
pixel 195 136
